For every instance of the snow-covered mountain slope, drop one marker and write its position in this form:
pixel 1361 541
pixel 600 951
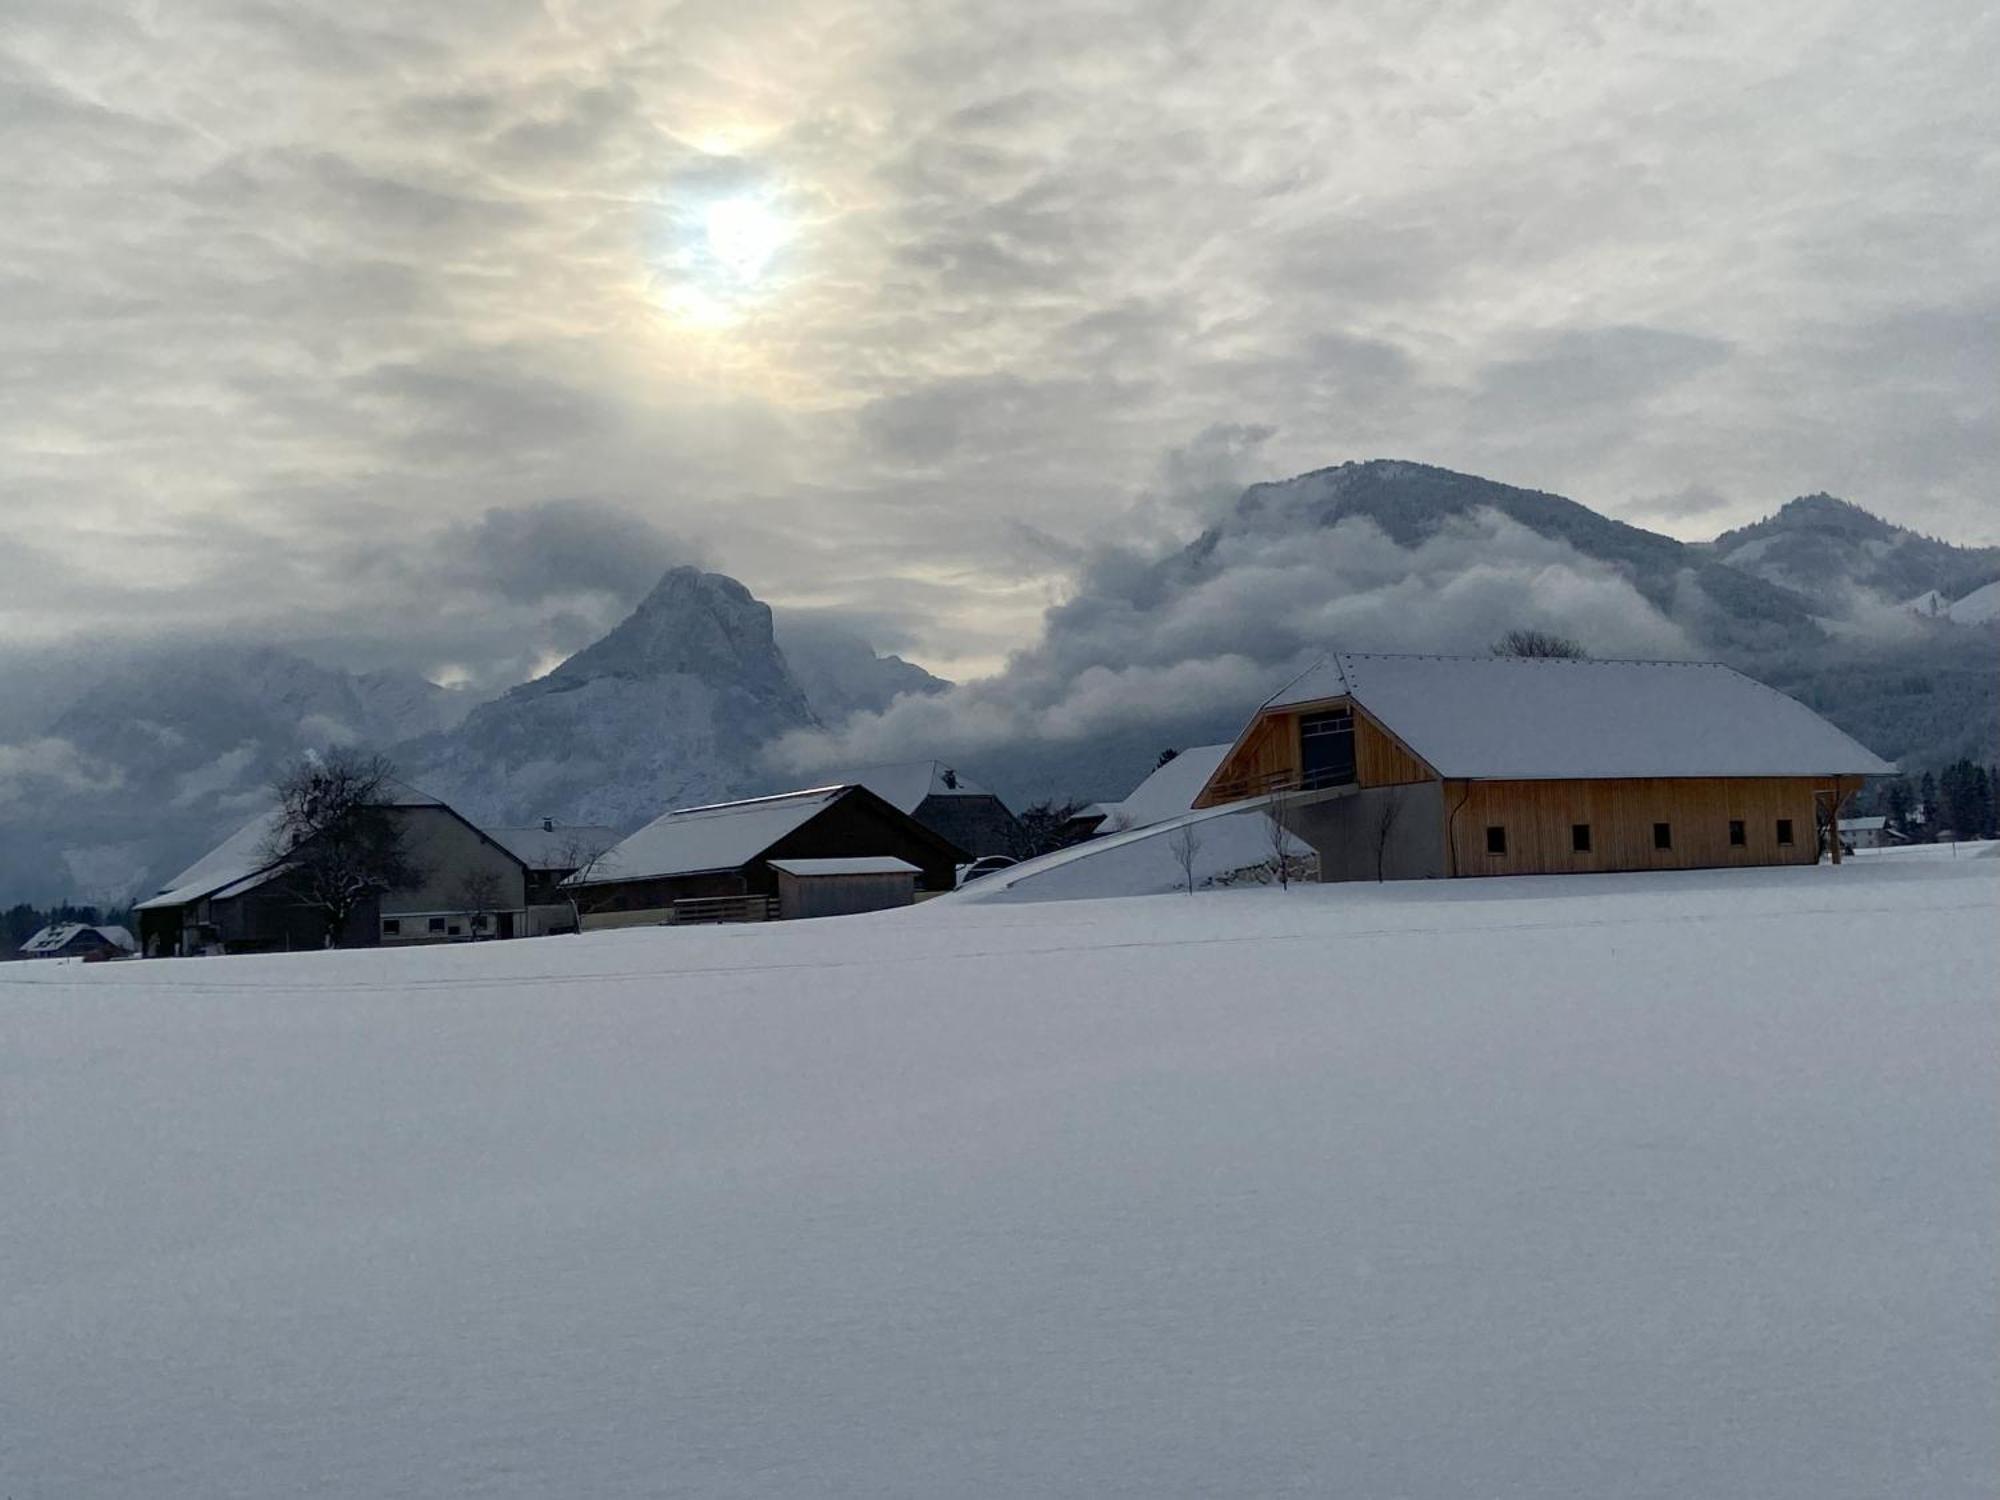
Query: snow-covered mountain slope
pixel 841 673
pixel 671 708
pixel 1980 607
pixel 1840 556
pixel 1618 1187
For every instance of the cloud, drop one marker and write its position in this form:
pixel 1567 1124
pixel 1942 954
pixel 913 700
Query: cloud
pixel 50 767
pixel 294 291
pixel 1190 641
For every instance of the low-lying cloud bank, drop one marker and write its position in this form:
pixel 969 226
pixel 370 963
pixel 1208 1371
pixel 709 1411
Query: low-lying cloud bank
pixel 1188 642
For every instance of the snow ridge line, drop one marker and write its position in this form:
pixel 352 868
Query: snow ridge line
pixel 709 971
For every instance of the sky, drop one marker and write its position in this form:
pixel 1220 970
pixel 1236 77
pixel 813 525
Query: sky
pixel 425 335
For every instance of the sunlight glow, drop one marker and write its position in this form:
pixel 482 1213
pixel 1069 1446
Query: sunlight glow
pixel 743 234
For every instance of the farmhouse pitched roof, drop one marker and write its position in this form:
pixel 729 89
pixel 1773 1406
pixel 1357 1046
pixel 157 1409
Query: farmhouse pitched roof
pixel 247 852
pixel 1532 718
pixel 720 836
pixel 906 785
pixel 59 935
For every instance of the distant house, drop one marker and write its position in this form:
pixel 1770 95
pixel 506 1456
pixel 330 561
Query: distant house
pixel 79 940
pixel 1866 833
pixel 236 898
pixel 551 852
pixel 723 862
pixel 946 802
pixel 1415 766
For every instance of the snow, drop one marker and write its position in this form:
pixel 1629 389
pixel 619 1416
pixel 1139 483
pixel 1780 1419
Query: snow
pixel 861 864
pixel 246 852
pixel 1618 1186
pixel 906 786
pixel 54 938
pixel 235 859
pixel 1169 791
pixel 717 837
pixel 1140 861
pixel 1929 603
pixel 1979 606
pixel 1534 718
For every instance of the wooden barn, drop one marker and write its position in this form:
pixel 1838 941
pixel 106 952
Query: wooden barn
pixel 726 862
pixel 1409 767
pixel 237 898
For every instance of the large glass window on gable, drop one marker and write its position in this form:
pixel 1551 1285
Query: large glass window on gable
pixel 1326 749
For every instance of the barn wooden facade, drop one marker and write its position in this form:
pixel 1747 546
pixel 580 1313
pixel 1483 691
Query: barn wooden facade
pixel 718 863
pixel 1400 767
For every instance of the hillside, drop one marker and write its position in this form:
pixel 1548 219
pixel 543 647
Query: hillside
pixel 1824 549
pixel 1620 1188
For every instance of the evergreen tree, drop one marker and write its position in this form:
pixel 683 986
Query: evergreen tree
pixel 1927 804
pixel 1896 803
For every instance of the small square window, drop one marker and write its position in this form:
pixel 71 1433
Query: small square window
pixel 1784 830
pixel 1663 835
pixel 1738 835
pixel 1579 837
pixel 456 931
pixel 437 924
pixel 391 927
pixel 1496 841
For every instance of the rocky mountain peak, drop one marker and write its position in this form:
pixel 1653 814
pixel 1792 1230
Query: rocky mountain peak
pixel 694 624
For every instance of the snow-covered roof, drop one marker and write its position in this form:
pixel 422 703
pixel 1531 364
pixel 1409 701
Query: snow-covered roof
pixel 1865 825
pixel 543 847
pixel 1169 791
pixel 237 857
pixel 247 851
pixel 861 864
pixel 59 935
pixel 907 784
pixel 721 836
pixel 1534 718
pixel 1978 607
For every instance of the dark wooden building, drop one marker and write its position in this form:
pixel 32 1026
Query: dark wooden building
pixel 236 898
pixel 946 802
pixel 1404 767
pixel 715 863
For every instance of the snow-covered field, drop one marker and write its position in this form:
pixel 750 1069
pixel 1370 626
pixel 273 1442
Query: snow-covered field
pixel 1669 1185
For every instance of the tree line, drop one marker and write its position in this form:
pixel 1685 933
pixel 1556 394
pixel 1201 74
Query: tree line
pixel 1955 801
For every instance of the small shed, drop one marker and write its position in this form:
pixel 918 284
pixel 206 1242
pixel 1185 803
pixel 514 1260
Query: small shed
pixel 841 887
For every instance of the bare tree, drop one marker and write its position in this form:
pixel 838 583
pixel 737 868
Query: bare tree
pixel 1382 826
pixel 337 836
pixel 1185 845
pixel 1278 813
pixel 583 855
pixel 478 896
pixel 1539 643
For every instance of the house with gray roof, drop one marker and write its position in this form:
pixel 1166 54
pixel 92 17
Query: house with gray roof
pixel 1415 766
pixel 236 898
pixel 946 801
pixel 724 861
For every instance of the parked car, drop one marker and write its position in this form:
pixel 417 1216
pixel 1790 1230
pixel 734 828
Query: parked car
pixel 986 864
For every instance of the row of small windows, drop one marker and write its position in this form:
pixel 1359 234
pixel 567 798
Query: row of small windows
pixel 1663 836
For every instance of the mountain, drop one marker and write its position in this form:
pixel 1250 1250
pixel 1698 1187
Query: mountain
pixel 670 708
pixel 1169 649
pixel 1826 550
pixel 1413 502
pixel 165 751
pixel 842 674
